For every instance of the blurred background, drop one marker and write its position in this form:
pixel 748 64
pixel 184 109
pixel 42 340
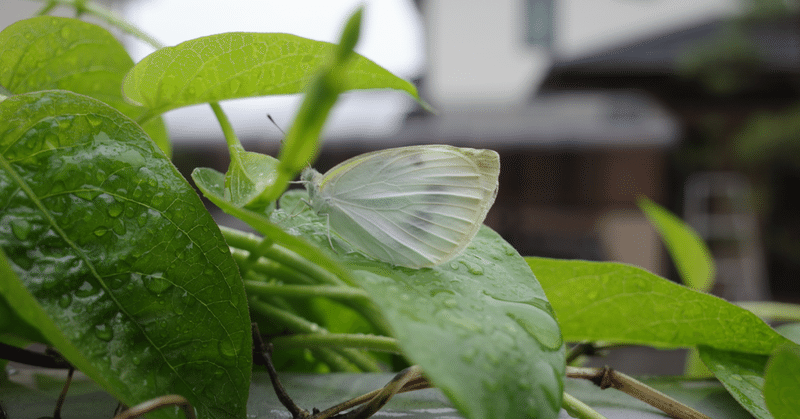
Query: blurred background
pixel 590 104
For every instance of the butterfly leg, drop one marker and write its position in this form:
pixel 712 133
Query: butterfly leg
pixel 328 225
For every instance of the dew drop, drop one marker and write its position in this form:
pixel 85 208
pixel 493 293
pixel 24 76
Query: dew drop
pixel 156 283
pixel 115 209
pixel 21 229
pixel 65 300
pixel 226 348
pixel 86 290
pixel 235 85
pixel 94 120
pixel 473 268
pixel 66 32
pixel 100 231
pixel 136 360
pixel 104 332
pixel 87 194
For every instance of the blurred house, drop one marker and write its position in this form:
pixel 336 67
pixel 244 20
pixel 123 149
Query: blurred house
pixel 715 78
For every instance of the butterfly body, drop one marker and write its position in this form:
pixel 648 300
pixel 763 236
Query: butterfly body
pixel 415 206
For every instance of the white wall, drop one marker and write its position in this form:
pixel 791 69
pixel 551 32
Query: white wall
pixel 477 55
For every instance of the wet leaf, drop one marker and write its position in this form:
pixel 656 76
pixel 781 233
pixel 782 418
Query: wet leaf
pixel 240 64
pixel 111 254
pixel 603 301
pixel 480 326
pixel 47 52
pixel 742 374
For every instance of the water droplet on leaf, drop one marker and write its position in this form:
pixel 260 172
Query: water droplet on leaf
pixel 104 332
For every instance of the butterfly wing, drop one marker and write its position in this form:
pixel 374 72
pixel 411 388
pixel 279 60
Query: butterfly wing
pixel 413 206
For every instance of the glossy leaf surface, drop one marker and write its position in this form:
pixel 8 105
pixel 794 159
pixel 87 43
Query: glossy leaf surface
pixel 113 256
pixel 47 52
pixel 501 352
pixel 239 64
pixel 604 301
pixel 742 374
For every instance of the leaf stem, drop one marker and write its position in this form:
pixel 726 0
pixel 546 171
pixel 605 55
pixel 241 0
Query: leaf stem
pixel 227 130
pixel 262 289
pixel 358 341
pixel 302 325
pixel 280 254
pixel 265 270
pixel 607 377
pixel 579 409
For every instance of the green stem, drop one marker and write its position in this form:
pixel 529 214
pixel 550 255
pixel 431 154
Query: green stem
pixel 280 254
pixel 358 341
pixel 579 409
pixel 301 325
pixel 265 269
pixel 227 129
pixel 261 289
pixel 105 15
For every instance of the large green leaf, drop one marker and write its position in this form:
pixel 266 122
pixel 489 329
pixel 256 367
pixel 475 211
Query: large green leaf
pixel 49 52
pixel 112 255
pixel 238 65
pixel 480 326
pixel 688 251
pixel 603 301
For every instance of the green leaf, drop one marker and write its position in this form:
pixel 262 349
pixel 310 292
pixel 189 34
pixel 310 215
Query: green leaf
pixel 480 326
pixel 690 254
pixel 742 374
pixel 113 256
pixel 603 301
pixel 238 65
pixel 48 52
pixel 782 382
pixel 248 176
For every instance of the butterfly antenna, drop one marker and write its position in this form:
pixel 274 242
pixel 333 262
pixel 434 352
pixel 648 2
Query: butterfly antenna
pixel 276 125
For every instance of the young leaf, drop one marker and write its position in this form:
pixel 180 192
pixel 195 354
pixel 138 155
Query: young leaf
pixel 621 303
pixel 782 386
pixel 480 326
pixel 113 256
pixel 47 52
pixel 688 251
pixel 742 374
pixel 248 175
pixel 238 65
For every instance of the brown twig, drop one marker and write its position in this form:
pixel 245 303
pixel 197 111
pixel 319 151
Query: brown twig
pixel 265 353
pixel 157 403
pixel 63 395
pixel 409 379
pixel 607 377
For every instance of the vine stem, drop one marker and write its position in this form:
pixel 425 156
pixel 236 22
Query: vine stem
pixel 262 289
pixel 607 377
pixel 303 326
pixel 579 409
pixel 369 342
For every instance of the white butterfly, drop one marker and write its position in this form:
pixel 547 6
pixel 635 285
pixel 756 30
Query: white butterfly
pixel 415 206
